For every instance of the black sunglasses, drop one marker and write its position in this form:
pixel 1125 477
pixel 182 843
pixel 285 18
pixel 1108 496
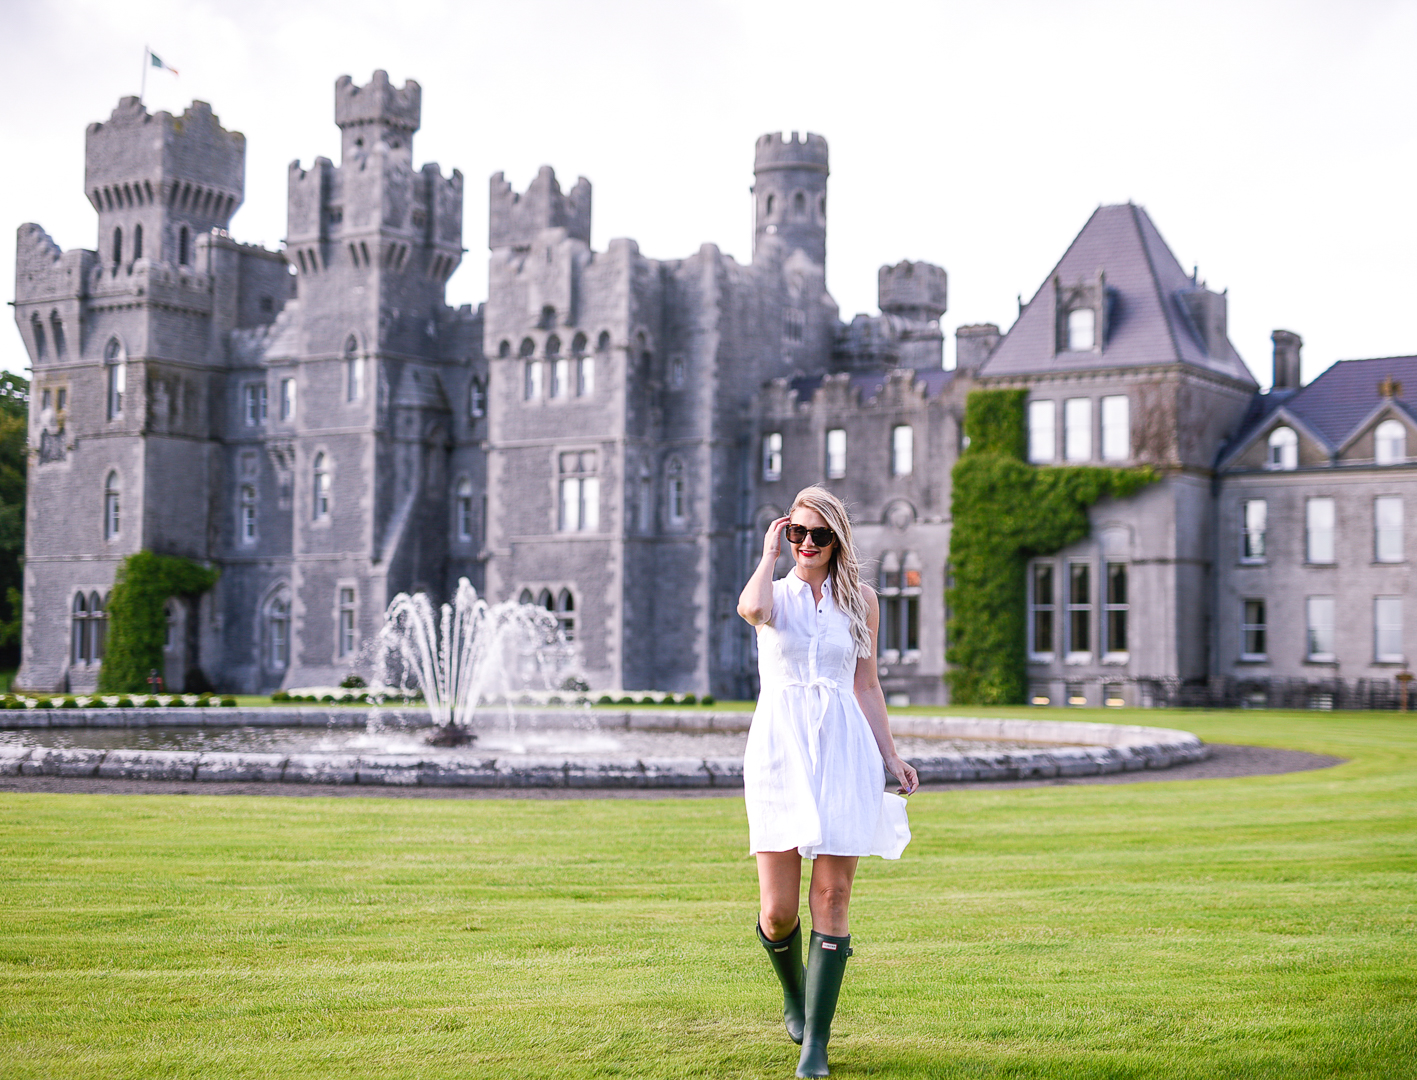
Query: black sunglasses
pixel 821 537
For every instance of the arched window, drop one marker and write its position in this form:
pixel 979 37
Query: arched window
pixel 98 627
pixel 578 344
pixel 525 597
pixel 173 631
pixel 80 630
pixel 278 632
pixel 117 367
pixel 354 370
pixel 676 503
pixel 543 600
pixel 602 343
pixel 117 248
pixel 37 331
pixel 566 614
pixel 553 346
pixel 184 243
pixel 56 324
pixel 504 350
pixel 528 347
pixel 464 509
pixel 476 399
pixel 771 200
pixel 321 487
pixel 112 518
pixel 799 205
pixel 548 313
pixel 1283 449
pixel 137 242
pixel 248 514
pixel 1390 443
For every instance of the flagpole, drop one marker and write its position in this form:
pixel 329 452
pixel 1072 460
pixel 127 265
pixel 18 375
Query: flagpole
pixel 143 89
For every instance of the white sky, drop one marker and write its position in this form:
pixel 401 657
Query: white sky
pixel 1274 144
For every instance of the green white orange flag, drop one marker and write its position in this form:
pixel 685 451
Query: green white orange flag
pixel 156 62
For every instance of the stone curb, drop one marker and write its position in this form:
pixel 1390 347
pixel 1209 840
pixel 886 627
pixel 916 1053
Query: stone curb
pixel 1113 749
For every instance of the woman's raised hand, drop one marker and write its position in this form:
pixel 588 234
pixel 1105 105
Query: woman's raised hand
pixel 772 542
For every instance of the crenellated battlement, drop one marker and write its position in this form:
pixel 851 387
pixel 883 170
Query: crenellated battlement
pixel 376 113
pixel 776 151
pixel 914 290
pixel 514 220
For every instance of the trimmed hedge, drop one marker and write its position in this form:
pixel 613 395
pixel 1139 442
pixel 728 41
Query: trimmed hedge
pixel 1006 512
pixel 137 619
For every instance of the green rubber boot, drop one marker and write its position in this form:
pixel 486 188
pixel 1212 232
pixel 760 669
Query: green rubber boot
pixel 786 957
pixel 826 964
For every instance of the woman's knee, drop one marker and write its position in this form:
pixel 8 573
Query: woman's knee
pixel 833 897
pixel 777 919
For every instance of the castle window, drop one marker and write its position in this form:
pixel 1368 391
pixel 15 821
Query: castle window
pixel 525 597
pixel 321 488
pixel 822 207
pixel 117 376
pixel 1283 449
pixel 543 600
pixel 578 345
pixel 566 614
pixel 1077 429
pixel 888 638
pixel 44 398
pixel 676 373
pixel 98 627
pixel 1318 611
pixel 464 509
pixel 580 492
pixel 287 399
pixel 112 519
pixel 1042 431
pixel 770 202
pixel 548 313
pixel 1041 605
pixel 248 514
pixel 646 503
pixel 37 330
pixel 255 404
pixel 504 349
pixel 602 343
pixel 772 456
pixel 354 370
pixel 1253 630
pixel 527 348
pixel 1256 520
pixel 553 346
pixel 902 450
pixel 531 381
pixel 836 453
pixel 1082 329
pixel 675 493
pixel 184 245
pixel 1318 519
pixel 1079 612
pixel 1387 528
pixel 56 324
pixel 1115 611
pixel 1116 428
pixel 137 242
pixel 560 371
pixel 346 621
pixel 585 376
pixel 278 632
pixel 61 399
pixel 794 324
pixel 117 248
pixel 476 399
pixel 79 622
pixel 799 205
pixel 1390 443
pixel 1387 629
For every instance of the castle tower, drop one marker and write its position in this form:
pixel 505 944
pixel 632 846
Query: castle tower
pixel 790 195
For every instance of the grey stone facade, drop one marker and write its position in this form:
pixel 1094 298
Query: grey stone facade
pixel 609 433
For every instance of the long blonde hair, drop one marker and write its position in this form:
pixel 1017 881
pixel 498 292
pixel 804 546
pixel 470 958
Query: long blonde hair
pixel 845 569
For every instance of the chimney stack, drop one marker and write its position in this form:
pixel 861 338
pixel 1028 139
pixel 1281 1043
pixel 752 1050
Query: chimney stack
pixel 973 344
pixel 1286 360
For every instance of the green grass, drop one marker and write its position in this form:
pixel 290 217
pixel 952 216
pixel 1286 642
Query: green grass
pixel 1248 928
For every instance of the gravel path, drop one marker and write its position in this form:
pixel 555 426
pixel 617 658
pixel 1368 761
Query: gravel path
pixel 1225 761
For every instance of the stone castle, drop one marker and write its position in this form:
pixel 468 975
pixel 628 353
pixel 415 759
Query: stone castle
pixel 608 434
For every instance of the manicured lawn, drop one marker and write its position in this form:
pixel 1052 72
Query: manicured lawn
pixel 1246 928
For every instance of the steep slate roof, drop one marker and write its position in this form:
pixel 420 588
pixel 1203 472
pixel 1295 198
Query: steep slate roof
pixel 1338 401
pixel 1148 324
pixel 870 384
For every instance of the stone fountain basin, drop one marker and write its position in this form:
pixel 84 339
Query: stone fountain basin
pixel 1008 749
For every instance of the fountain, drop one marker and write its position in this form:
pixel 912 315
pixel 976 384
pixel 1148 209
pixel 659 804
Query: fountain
pixel 467 653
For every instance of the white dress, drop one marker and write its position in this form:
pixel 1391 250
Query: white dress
pixel 813 777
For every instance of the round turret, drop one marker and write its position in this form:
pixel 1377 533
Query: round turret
pixel 790 194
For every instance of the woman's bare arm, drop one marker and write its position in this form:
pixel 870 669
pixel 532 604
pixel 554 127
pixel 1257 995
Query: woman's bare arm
pixel 755 601
pixel 873 702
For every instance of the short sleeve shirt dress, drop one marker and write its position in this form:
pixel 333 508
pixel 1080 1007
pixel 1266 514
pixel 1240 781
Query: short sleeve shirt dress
pixel 813 776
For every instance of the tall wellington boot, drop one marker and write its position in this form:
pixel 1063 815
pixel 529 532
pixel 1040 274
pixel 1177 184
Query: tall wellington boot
pixel 786 957
pixel 826 964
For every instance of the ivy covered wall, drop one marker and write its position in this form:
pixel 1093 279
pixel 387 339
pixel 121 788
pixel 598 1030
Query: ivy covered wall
pixel 137 616
pixel 1006 512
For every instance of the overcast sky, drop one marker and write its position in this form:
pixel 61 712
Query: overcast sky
pixel 1274 144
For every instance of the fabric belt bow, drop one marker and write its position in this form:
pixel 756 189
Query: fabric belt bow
pixel 824 689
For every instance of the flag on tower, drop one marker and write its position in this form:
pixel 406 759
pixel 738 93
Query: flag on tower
pixel 156 62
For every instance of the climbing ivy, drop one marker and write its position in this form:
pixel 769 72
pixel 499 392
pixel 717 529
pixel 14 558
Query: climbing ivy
pixel 1005 512
pixel 137 616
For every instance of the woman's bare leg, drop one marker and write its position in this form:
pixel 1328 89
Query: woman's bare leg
pixel 829 894
pixel 779 891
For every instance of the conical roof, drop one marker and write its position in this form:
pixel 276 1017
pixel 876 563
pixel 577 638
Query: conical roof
pixel 1148 323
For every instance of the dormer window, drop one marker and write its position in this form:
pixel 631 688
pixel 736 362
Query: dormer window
pixel 1390 443
pixel 1283 449
pixel 1082 329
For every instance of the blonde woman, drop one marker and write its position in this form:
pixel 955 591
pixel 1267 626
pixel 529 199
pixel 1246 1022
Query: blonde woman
pixel 818 751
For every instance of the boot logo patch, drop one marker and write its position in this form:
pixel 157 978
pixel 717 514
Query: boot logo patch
pixel 780 948
pixel 829 945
